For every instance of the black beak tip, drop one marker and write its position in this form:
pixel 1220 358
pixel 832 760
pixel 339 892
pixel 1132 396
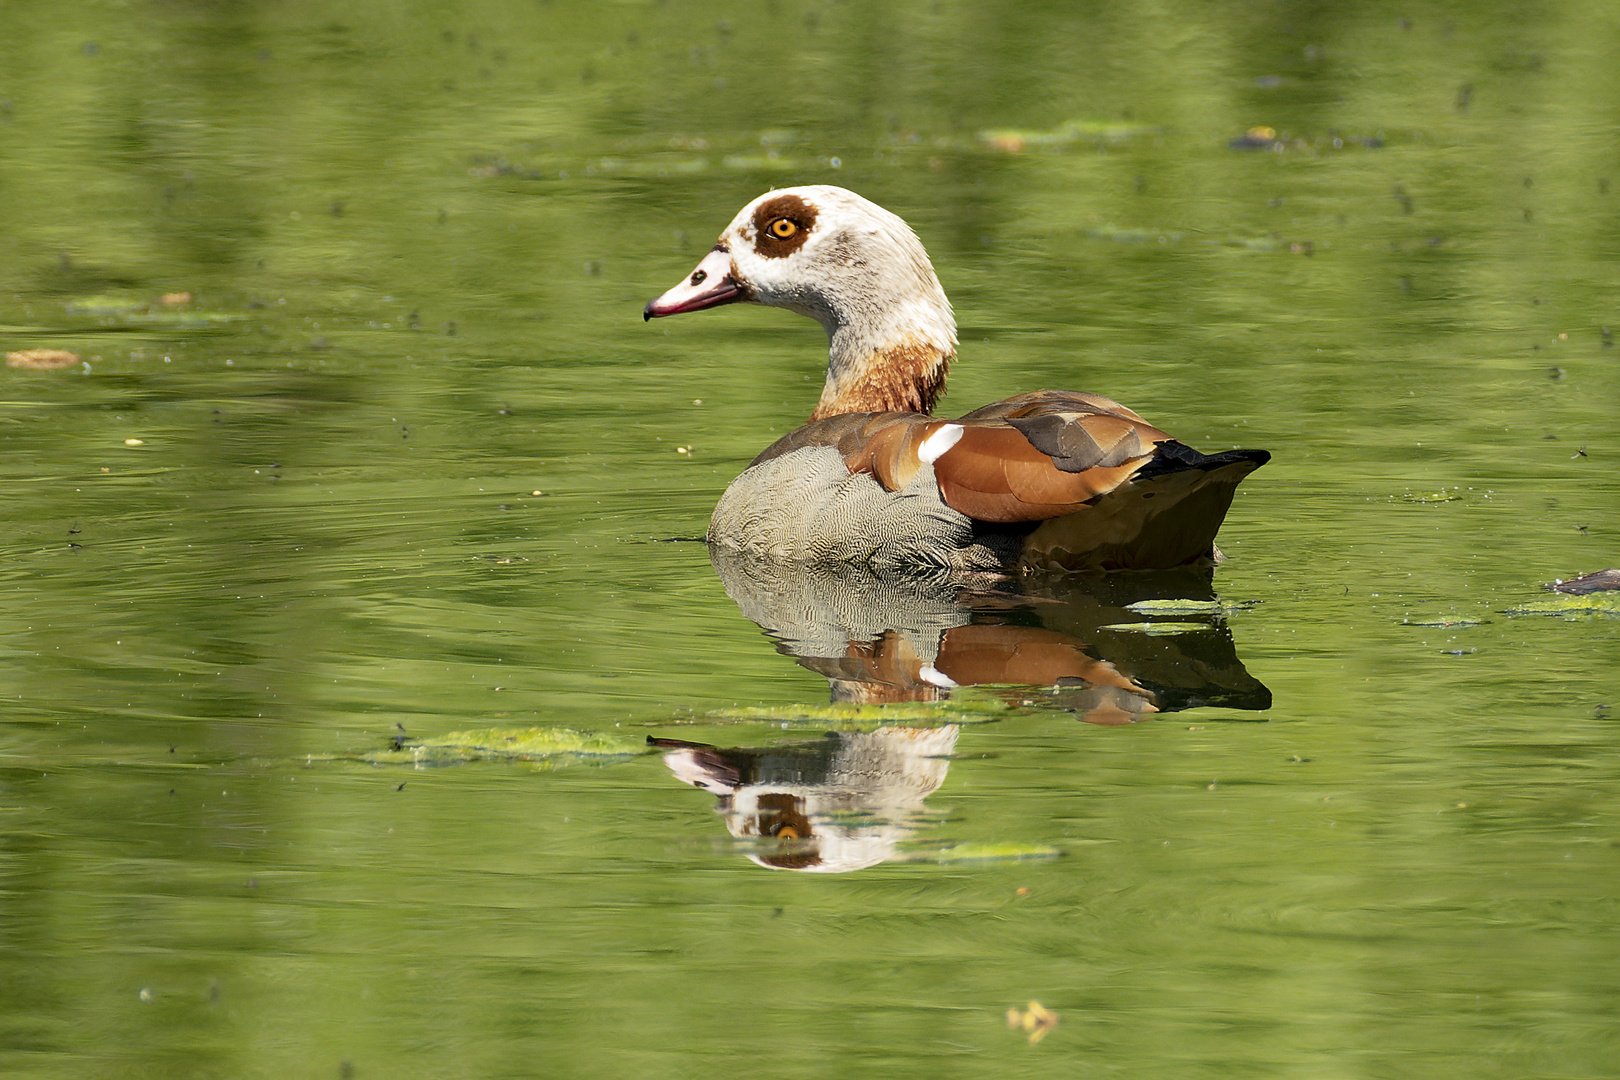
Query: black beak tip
pixel 646 312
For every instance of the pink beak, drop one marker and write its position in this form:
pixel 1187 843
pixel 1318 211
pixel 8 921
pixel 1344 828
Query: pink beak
pixel 710 285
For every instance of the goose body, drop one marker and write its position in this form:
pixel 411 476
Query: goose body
pixel 1049 480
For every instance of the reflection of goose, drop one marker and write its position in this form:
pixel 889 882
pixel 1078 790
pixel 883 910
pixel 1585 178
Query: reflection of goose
pixel 840 804
pixel 1044 480
pixel 889 637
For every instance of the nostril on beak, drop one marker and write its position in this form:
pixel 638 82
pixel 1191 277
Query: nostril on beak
pixel 699 276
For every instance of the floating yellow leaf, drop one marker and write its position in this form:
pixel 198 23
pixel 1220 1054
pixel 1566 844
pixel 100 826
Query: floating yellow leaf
pixel 1037 1020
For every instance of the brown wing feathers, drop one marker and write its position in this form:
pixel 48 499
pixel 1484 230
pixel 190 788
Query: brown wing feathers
pixel 883 444
pixel 1031 458
pixel 1042 455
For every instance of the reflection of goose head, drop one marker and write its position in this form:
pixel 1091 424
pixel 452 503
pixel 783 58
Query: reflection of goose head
pixel 840 804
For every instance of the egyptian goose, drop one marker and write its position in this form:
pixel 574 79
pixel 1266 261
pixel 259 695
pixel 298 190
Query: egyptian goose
pixel 1049 480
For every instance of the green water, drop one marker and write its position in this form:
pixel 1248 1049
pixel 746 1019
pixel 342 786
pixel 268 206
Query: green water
pixel 408 462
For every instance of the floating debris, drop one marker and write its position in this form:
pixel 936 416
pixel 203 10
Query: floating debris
pixel 1008 852
pixel 1122 234
pixel 549 747
pixel 1017 140
pixel 1191 607
pixel 754 162
pixel 1262 137
pixel 1159 629
pixel 170 309
pixel 41 359
pixel 105 304
pixel 1257 138
pixel 1037 1020
pixel 1606 602
pixel 1175 607
pixel 966 708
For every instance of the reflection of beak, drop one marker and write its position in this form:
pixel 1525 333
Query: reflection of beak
pixel 710 285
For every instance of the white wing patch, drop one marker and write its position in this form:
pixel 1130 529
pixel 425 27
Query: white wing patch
pixel 935 445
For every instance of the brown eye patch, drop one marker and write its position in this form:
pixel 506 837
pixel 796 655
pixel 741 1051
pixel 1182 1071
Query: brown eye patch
pixel 782 225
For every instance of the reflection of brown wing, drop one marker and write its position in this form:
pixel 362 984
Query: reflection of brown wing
pixel 982 653
pixel 879 672
pixel 1098 691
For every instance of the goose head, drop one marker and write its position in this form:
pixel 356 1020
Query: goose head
pixel 852 266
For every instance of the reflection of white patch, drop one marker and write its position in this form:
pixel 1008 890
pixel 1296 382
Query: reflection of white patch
pixel 690 770
pixel 939 442
pixel 931 675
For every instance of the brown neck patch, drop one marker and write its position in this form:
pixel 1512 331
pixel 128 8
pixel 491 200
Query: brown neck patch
pixel 783 208
pixel 908 377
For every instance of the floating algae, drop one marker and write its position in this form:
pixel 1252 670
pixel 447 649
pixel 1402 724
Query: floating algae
pixel 546 747
pixel 1160 629
pixel 967 708
pixel 1601 603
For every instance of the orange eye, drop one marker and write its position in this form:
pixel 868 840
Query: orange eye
pixel 783 228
